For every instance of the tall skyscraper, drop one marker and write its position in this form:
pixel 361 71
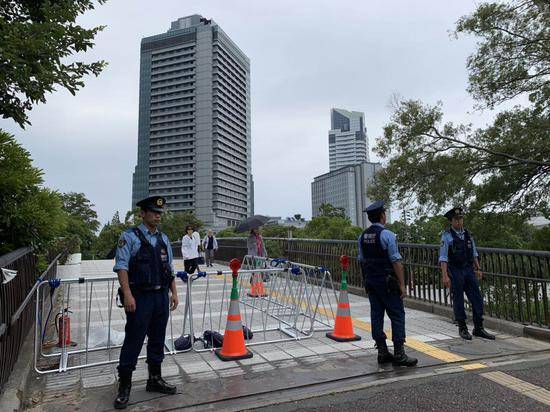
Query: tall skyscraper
pixel 347 139
pixel 194 137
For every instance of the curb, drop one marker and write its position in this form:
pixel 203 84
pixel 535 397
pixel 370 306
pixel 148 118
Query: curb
pixel 13 394
pixel 501 325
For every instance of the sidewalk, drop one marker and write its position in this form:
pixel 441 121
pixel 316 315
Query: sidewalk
pixel 202 377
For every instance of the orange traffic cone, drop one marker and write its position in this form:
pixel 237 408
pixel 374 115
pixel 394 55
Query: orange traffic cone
pixel 257 287
pixel 233 347
pixel 343 326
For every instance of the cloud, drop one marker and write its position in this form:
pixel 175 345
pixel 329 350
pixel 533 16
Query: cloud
pixel 306 58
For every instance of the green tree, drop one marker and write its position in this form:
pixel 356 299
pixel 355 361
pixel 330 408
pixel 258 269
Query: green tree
pixel 541 239
pixel 31 214
pixel 173 224
pixel 326 227
pixel 106 242
pixel 326 209
pixel 82 219
pixel 228 232
pixel 503 167
pixel 38 39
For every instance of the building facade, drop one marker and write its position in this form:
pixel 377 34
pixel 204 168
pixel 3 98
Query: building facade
pixel 194 140
pixel 345 187
pixel 347 139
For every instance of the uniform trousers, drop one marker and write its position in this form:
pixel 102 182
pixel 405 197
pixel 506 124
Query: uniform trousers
pixel 149 319
pixel 382 301
pixel 464 280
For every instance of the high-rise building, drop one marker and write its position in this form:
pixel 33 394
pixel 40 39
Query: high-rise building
pixel 194 123
pixel 347 139
pixel 346 188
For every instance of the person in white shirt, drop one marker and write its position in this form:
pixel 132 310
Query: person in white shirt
pixel 190 250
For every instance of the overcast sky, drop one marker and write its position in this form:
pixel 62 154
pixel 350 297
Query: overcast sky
pixel 306 57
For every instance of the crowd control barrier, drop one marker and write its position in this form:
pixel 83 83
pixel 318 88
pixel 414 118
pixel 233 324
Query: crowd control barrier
pixel 79 323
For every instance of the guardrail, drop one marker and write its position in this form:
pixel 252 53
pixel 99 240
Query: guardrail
pixel 515 284
pixel 16 312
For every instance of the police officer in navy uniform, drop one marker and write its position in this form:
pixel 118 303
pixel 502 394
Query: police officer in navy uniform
pixel 385 285
pixel 145 274
pixel 458 258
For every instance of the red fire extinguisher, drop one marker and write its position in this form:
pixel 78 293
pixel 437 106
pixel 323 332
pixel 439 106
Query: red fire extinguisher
pixel 63 326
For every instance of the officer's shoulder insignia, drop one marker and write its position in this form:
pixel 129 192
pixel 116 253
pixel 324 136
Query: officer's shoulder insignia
pixel 121 243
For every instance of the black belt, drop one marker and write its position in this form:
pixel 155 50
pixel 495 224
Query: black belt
pixel 143 288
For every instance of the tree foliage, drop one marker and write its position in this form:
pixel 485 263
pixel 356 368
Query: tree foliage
pixel 173 224
pixel 326 209
pixel 433 163
pixel 326 227
pixel 81 219
pixel 31 215
pixel 38 38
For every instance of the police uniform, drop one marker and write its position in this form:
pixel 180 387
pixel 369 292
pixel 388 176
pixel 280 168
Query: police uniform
pixel 378 251
pixel 147 257
pixel 458 249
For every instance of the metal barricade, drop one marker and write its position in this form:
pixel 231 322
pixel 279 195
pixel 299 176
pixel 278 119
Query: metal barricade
pixel 90 303
pixel 295 302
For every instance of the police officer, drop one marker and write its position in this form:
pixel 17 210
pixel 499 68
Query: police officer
pixel 145 273
pixel 385 285
pixel 458 258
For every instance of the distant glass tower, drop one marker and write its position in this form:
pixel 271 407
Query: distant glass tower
pixel 347 139
pixel 194 137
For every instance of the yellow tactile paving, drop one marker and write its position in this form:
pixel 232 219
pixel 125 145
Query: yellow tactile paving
pixel 472 366
pixel 525 388
pixel 423 347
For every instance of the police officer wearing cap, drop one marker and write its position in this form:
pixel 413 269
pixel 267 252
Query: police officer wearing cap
pixel 145 273
pixel 458 258
pixel 385 285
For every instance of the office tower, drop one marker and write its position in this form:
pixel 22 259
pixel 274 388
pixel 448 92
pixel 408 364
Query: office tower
pixel 346 187
pixel 347 139
pixel 194 123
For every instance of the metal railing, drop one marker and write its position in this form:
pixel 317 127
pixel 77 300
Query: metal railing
pixel 515 283
pixel 16 309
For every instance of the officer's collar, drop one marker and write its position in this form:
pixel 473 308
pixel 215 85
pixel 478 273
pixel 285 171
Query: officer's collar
pixel 377 224
pixel 144 229
pixel 459 232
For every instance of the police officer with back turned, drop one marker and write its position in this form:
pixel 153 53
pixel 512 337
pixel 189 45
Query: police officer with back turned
pixel 458 257
pixel 385 285
pixel 145 273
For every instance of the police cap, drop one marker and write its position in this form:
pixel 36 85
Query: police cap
pixel 454 212
pixel 153 203
pixel 375 208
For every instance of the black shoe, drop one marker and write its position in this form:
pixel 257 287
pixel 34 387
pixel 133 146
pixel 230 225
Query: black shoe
pixel 463 330
pixel 482 333
pixel 400 358
pixel 384 355
pixel 124 387
pixel 155 383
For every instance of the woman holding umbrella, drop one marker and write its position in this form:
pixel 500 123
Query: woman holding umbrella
pixel 255 243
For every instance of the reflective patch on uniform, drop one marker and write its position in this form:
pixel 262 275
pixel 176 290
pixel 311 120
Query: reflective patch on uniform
pixel 121 243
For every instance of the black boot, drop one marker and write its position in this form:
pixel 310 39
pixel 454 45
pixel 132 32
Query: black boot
pixel 155 383
pixel 400 358
pixel 124 387
pixel 482 333
pixel 463 330
pixel 384 355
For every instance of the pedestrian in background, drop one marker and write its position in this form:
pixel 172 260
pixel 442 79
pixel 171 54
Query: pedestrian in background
pixel 190 250
pixel 255 244
pixel 209 245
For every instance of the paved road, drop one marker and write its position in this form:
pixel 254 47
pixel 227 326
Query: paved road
pixel 466 391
